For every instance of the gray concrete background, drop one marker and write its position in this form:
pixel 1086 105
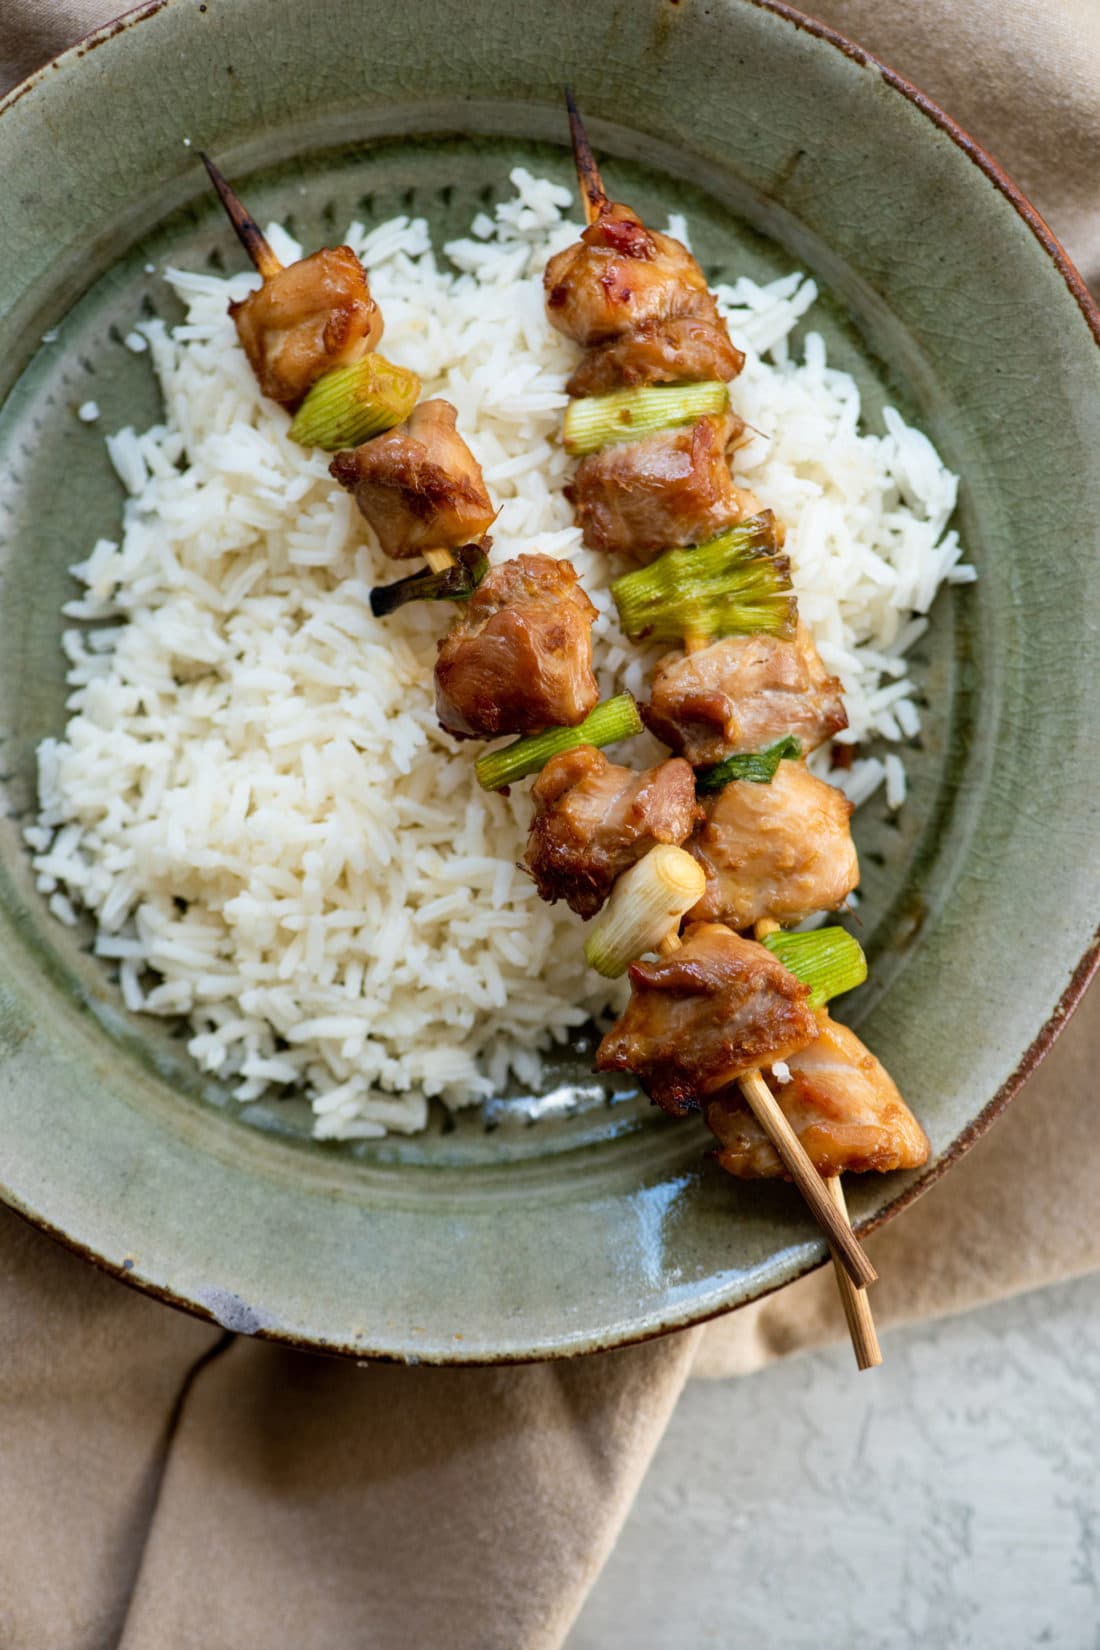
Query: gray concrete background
pixel 950 1500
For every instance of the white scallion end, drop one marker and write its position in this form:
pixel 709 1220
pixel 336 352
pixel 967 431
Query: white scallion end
pixel 646 903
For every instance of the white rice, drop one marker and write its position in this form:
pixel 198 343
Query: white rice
pixel 252 795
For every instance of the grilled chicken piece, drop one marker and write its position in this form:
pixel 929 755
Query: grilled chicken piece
pixel 702 1017
pixel 742 694
pixel 686 350
pixel 594 820
pixel 315 315
pixel 619 276
pixel 841 1103
pixel 519 657
pixel 781 850
pixel 418 485
pixel 670 488
pixel 638 301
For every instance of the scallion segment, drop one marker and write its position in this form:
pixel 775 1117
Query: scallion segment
pixel 758 767
pixel 453 584
pixel 735 584
pixel 828 960
pixel 351 404
pixel 646 903
pixel 613 720
pixel 596 421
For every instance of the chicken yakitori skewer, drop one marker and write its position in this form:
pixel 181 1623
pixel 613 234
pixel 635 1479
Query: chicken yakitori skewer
pixel 724 694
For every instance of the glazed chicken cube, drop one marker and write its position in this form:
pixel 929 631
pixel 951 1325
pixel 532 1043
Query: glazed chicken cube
pixel 310 317
pixel 594 820
pixel 841 1103
pixel 519 657
pixel 687 350
pixel 418 485
pixel 620 276
pixel 742 694
pixel 781 850
pixel 670 488
pixel 700 1018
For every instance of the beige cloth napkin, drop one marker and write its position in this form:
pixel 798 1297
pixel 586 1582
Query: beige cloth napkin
pixel 167 1487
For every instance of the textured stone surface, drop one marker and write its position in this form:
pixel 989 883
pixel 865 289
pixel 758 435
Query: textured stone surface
pixel 952 1499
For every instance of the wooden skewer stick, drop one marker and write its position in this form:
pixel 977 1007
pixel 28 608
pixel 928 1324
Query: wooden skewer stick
pixel 857 1308
pixel 248 231
pixel 593 197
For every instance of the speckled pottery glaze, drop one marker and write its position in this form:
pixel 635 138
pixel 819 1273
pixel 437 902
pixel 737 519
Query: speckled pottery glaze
pixel 557 1223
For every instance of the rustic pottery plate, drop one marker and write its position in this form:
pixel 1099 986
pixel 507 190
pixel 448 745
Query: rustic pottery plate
pixel 575 1219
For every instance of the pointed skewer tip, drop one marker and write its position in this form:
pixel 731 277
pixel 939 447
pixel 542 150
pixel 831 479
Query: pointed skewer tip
pixel 247 230
pixel 588 173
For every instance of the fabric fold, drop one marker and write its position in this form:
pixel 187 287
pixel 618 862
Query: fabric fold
pixel 381 1507
pixel 91 1374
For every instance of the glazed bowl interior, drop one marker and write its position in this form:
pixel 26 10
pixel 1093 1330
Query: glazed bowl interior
pixel 550 1223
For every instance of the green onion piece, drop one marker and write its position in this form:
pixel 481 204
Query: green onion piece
pixel 351 404
pixel 615 719
pixel 828 960
pixel 646 903
pixel 759 767
pixel 596 421
pixel 735 584
pixel 453 584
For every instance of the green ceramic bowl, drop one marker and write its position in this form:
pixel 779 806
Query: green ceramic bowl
pixel 574 1219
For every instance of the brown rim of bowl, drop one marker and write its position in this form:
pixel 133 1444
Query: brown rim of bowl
pixel 1086 966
